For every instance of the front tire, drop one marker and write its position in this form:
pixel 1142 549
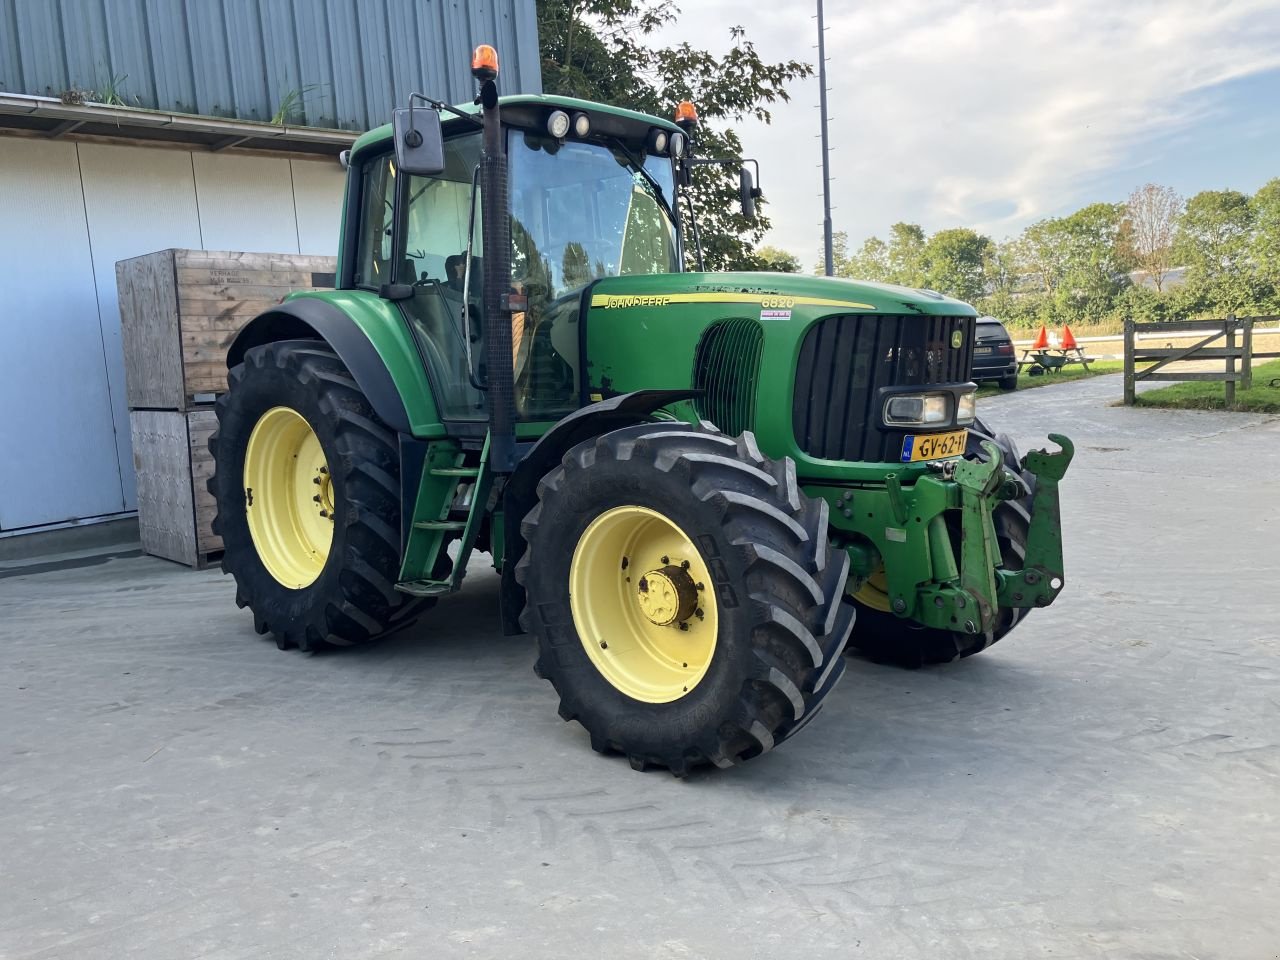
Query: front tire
pixel 626 530
pixel 307 483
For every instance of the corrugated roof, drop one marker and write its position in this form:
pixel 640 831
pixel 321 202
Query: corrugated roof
pixel 336 63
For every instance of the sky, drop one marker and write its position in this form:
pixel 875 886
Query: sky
pixel 995 114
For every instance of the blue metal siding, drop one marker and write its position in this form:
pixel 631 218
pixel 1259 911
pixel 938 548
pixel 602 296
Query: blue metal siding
pixel 351 60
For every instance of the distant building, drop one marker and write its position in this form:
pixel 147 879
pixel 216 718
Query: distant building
pixel 132 127
pixel 1173 279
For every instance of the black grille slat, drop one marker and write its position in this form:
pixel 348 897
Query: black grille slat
pixel 845 360
pixel 726 368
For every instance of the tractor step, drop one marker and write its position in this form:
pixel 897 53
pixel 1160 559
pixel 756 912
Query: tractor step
pixel 426 588
pixel 454 471
pixel 440 525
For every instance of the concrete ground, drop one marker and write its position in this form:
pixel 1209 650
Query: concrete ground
pixel 1105 783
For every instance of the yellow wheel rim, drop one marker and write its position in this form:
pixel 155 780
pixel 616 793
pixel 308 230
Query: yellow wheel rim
pixel 643 604
pixel 874 592
pixel 288 497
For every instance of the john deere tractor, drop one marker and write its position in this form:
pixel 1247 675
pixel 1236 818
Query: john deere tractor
pixel 697 487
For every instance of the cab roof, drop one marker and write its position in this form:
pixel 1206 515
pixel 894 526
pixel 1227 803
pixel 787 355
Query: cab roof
pixel 522 106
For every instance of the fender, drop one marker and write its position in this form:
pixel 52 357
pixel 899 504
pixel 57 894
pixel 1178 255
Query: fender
pixel 521 491
pixel 315 319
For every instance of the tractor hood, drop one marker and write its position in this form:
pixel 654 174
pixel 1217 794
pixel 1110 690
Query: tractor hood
pixel 802 290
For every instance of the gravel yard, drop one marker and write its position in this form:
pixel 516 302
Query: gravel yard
pixel 1105 783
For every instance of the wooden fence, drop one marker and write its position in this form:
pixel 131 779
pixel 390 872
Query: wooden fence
pixel 1236 353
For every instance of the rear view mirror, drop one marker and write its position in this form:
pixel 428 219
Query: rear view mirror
pixel 747 193
pixel 419 141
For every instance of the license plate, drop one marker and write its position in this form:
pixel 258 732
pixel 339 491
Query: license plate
pixel 984 349
pixel 933 446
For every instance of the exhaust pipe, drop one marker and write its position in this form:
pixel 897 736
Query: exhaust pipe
pixel 498 300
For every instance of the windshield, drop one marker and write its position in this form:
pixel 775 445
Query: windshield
pixel 581 211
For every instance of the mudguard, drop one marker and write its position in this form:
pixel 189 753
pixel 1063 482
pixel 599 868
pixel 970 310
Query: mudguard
pixel 310 319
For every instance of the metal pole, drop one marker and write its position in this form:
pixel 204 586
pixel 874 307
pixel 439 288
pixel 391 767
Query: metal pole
pixel 828 253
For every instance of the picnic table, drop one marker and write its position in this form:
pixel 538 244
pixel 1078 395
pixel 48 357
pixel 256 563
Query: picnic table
pixel 1047 355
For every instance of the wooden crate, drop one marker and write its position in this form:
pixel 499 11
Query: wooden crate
pixel 180 310
pixel 172 461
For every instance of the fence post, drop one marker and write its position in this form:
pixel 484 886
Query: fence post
pixel 1230 325
pixel 1128 362
pixel 1246 381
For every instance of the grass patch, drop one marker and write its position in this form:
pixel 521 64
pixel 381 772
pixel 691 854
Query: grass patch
pixel 1262 398
pixel 1068 373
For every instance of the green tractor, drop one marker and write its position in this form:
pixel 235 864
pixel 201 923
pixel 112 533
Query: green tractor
pixel 696 487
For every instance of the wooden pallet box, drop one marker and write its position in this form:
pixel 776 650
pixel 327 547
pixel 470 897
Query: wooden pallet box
pixel 172 462
pixel 180 310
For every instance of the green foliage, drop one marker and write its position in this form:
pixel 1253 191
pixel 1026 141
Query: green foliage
pixel 776 260
pixel 955 260
pixel 601 50
pixel 111 92
pixel 293 103
pixel 1100 264
pixel 1266 241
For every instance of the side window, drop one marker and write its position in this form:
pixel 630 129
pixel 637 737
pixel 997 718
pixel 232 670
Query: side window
pixel 373 264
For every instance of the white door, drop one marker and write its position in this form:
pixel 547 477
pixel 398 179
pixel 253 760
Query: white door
pixel 57 433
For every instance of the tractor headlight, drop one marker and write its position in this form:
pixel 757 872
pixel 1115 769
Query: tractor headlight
pixel 657 141
pixel 558 124
pixel 677 145
pixel 966 408
pixel 916 409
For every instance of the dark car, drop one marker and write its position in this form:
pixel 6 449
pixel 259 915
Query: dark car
pixel 993 355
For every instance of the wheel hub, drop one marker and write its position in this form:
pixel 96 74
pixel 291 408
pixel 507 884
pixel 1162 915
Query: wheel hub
pixel 289 497
pixel 651 635
pixel 668 595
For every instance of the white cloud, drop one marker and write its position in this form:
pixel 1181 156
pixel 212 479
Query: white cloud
pixel 989 113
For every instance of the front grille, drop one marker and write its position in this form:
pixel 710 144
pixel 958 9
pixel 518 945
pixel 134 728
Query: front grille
pixel 726 367
pixel 846 359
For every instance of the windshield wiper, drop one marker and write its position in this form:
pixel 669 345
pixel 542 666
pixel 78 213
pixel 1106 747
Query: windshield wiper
pixel 658 193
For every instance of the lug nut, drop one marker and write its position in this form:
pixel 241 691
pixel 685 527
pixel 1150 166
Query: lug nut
pixel 666 559
pixel 684 564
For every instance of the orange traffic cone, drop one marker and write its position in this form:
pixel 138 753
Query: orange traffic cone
pixel 1042 341
pixel 1068 339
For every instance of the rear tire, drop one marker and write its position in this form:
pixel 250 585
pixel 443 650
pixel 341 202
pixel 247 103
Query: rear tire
pixel 1009 383
pixel 352 598
pixel 776 583
pixel 886 638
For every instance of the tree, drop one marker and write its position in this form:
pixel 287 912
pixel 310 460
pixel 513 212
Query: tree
pixel 839 254
pixel 600 50
pixel 1152 213
pixel 1045 251
pixel 1097 261
pixel 776 260
pixel 871 262
pixel 906 247
pixel 1213 241
pixel 1265 207
pixel 952 262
